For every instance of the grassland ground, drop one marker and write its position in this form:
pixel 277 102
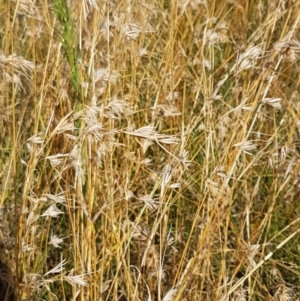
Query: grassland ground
pixel 149 150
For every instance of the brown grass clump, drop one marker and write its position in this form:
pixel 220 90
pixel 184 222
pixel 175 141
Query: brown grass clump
pixel 6 283
pixel 149 150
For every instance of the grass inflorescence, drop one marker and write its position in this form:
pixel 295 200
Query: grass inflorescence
pixel 149 150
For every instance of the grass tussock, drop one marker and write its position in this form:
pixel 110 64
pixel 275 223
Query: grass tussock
pixel 149 150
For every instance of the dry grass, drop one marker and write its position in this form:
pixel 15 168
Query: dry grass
pixel 150 150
